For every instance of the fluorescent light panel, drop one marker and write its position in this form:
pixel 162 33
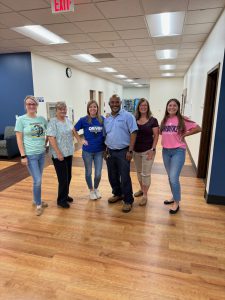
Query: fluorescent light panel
pixel 86 58
pixel 139 85
pixel 168 74
pixel 166 24
pixel 40 34
pixel 108 70
pixel 120 76
pixel 166 54
pixel 128 80
pixel 167 67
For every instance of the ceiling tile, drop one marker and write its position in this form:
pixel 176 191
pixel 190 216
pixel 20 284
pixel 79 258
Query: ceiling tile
pixel 117 49
pixel 120 8
pixel 84 12
pixel 94 26
pixel 142 48
pixel 203 4
pixel 194 45
pixel 79 38
pixel 19 5
pixel 10 34
pixel 202 16
pixel 65 28
pixel 158 6
pixel 128 23
pixel 194 38
pixel 104 36
pixel 198 28
pixel 167 40
pixel 89 45
pixel 133 34
pixel 43 16
pixel 4 9
pixel 14 19
pixel 116 43
pixel 139 42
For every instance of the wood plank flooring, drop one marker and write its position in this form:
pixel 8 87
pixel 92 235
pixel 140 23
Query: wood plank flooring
pixel 94 251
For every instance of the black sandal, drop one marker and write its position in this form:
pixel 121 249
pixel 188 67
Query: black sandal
pixel 166 202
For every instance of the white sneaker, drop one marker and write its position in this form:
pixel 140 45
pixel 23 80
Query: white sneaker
pixel 93 195
pixel 98 194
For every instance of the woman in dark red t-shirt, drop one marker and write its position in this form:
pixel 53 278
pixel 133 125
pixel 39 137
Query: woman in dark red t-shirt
pixel 145 147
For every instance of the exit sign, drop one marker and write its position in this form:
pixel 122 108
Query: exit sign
pixel 59 6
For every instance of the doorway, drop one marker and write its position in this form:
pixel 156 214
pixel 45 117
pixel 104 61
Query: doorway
pixel 100 101
pixel 92 95
pixel 207 122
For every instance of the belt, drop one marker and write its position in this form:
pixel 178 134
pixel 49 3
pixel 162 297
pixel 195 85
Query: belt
pixel 117 150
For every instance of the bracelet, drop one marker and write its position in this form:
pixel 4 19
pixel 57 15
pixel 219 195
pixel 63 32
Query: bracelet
pixel 23 156
pixel 152 149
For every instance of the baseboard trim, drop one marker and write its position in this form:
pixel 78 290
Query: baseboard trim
pixel 192 160
pixel 214 199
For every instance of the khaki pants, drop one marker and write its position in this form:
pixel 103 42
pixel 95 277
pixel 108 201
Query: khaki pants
pixel 143 167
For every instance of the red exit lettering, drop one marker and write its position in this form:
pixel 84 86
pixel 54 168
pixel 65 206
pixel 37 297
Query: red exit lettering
pixel 62 5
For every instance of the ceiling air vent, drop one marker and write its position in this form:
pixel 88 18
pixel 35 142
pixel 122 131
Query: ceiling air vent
pixel 102 55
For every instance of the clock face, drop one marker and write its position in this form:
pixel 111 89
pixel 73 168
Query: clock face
pixel 68 72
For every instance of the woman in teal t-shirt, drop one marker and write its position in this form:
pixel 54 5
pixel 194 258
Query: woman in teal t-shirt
pixel 30 133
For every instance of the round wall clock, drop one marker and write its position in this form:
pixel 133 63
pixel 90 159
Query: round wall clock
pixel 68 72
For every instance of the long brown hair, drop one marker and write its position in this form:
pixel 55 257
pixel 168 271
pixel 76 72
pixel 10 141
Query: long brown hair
pixel 181 124
pixel 137 111
pixel 98 116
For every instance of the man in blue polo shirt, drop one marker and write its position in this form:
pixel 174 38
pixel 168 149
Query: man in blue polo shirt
pixel 120 130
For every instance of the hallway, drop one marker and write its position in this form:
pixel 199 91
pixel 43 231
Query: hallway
pixel 94 251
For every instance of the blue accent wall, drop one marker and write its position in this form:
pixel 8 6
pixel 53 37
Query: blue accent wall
pixel 16 81
pixel 217 177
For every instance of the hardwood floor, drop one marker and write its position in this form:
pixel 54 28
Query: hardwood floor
pixel 94 251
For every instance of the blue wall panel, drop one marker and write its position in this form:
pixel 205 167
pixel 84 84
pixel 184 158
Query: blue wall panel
pixel 16 82
pixel 216 193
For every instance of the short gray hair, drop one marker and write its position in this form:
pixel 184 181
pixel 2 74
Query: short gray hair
pixel 32 98
pixel 60 104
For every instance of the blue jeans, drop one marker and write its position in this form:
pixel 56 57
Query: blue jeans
pixel 119 174
pixel 35 167
pixel 173 161
pixel 88 158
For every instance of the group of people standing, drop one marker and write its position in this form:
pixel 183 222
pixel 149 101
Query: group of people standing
pixel 118 138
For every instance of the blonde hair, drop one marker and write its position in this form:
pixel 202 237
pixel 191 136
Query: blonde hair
pixel 32 98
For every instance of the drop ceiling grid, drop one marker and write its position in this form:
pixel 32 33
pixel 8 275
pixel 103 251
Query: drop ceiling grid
pixel 117 27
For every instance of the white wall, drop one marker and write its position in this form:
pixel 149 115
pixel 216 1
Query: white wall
pixel 50 81
pixel 209 56
pixel 161 90
pixel 132 93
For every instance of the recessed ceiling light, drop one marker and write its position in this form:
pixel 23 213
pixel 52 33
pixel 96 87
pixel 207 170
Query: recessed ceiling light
pixel 120 76
pixel 166 24
pixel 166 54
pixel 86 58
pixel 108 70
pixel 40 34
pixel 167 67
pixel 167 74
pixel 134 83
pixel 128 80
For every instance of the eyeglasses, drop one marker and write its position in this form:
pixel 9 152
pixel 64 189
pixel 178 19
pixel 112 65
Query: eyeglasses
pixel 31 104
pixel 62 109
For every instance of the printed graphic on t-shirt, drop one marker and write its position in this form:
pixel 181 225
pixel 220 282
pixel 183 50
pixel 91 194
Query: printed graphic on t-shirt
pixel 170 128
pixel 36 130
pixel 95 129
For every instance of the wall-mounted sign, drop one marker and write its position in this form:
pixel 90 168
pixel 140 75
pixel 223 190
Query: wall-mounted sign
pixel 59 6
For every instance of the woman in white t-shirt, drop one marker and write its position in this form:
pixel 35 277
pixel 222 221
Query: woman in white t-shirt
pixel 174 128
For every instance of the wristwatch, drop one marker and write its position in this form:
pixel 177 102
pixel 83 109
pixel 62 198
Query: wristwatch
pixel 23 156
pixel 152 149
